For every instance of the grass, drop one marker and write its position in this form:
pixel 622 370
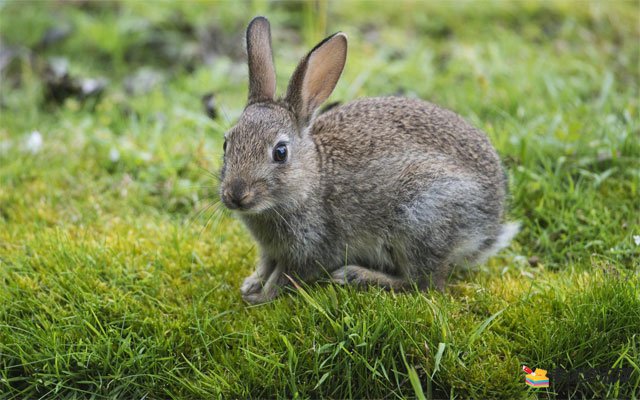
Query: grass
pixel 118 278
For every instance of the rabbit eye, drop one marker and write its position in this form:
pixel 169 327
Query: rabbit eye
pixel 280 153
pixel 224 146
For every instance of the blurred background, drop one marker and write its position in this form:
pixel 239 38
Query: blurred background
pixel 114 51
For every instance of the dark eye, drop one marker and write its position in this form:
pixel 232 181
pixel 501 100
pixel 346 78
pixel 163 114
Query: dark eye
pixel 280 153
pixel 224 146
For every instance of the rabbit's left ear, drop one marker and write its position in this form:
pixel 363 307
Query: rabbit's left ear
pixel 262 72
pixel 316 76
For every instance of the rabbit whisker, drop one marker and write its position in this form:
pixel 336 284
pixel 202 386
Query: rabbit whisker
pixel 202 210
pixel 216 216
pixel 209 173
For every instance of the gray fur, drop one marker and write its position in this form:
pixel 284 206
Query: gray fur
pixel 388 191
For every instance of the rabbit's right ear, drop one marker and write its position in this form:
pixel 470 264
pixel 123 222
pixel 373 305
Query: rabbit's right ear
pixel 316 76
pixel 262 73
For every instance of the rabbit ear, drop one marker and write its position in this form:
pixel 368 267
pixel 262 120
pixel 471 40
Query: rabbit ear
pixel 262 73
pixel 316 76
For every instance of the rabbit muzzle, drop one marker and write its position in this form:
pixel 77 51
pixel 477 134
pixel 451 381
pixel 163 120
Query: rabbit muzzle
pixel 238 195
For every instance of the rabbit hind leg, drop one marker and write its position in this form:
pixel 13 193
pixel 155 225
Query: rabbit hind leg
pixel 361 276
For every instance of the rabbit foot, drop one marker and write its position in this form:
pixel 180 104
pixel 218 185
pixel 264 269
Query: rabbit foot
pixel 360 276
pixel 256 290
pixel 350 274
pixel 251 285
pixel 260 297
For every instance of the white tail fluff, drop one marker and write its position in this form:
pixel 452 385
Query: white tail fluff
pixel 466 254
pixel 509 230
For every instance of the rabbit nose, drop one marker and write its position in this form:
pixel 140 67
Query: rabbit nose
pixel 237 195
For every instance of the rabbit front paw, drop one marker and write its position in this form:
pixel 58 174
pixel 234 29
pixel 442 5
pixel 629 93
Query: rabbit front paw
pixel 260 297
pixel 256 290
pixel 252 284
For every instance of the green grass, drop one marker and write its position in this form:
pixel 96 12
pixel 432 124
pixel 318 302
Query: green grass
pixel 114 284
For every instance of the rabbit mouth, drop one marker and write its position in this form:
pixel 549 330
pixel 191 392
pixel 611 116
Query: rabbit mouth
pixel 255 207
pixel 239 202
pixel 246 202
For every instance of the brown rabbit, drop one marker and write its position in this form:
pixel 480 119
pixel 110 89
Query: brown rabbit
pixel 388 191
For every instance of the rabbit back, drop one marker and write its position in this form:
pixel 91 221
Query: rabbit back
pixel 407 172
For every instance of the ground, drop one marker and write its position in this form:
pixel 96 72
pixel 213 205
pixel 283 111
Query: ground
pixel 120 271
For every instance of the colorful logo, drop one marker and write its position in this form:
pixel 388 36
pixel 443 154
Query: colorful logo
pixel 537 378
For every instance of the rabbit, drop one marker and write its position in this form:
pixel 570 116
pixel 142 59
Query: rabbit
pixel 386 191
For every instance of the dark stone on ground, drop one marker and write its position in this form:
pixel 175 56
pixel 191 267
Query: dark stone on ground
pixel 209 104
pixel 59 84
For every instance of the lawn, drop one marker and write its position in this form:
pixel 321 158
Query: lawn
pixel 120 270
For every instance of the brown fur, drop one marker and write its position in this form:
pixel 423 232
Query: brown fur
pixel 386 191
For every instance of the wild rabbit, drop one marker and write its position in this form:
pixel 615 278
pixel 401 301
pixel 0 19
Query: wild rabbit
pixel 388 191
